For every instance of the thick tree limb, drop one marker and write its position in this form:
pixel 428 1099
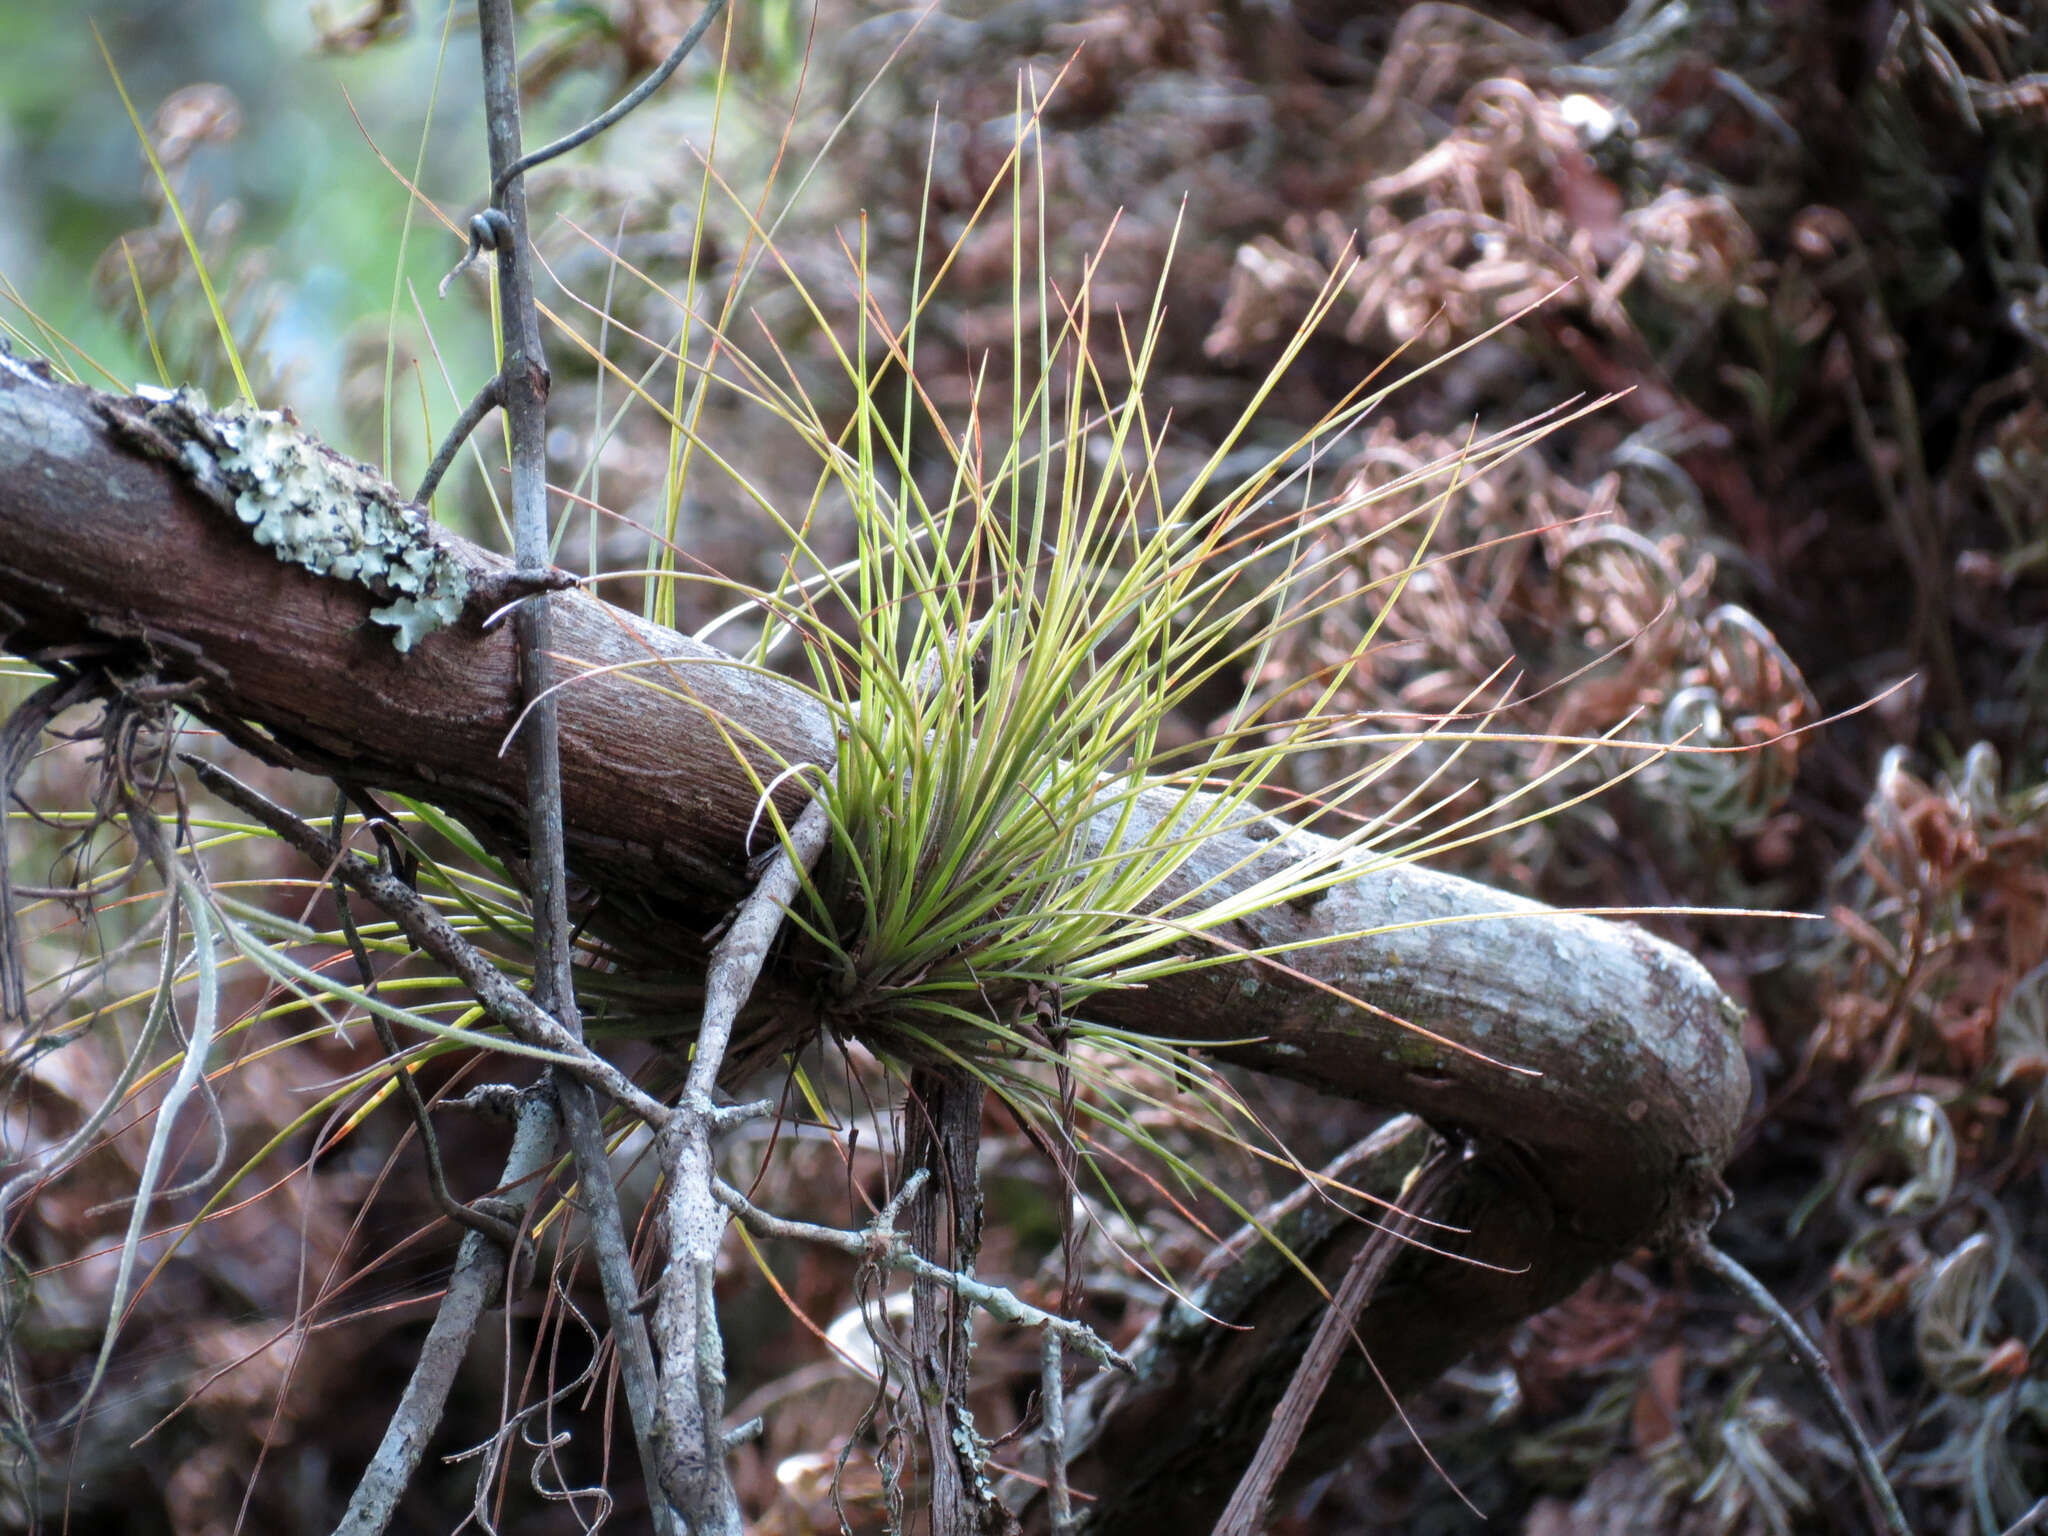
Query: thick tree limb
pixel 1615 1141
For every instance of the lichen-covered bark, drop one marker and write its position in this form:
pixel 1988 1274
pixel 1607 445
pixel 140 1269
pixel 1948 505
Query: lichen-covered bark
pixel 1629 1079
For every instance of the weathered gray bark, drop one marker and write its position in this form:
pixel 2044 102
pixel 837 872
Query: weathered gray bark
pixel 1616 1140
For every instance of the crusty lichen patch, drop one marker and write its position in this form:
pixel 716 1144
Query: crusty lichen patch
pixel 309 506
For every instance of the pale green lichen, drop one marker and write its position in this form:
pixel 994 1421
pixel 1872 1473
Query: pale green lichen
pixel 1733 1015
pixel 314 509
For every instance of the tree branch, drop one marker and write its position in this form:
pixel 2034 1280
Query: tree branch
pixel 1637 1081
pixel 521 389
pixel 689 1421
pixel 478 1278
pixel 1246 1513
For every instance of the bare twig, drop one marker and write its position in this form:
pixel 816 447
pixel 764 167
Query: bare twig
pixel 690 1436
pixel 482 1222
pixel 487 399
pixel 523 391
pixel 600 1201
pixel 502 1001
pixel 880 1244
pixel 1815 1364
pixel 690 1420
pixel 521 387
pixel 479 1271
pixel 1245 1513
pixel 689 1431
pixel 742 951
pixel 620 108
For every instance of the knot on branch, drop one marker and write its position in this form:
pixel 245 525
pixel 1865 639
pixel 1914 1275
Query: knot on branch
pixel 490 230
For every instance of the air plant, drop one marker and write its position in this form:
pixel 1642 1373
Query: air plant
pixel 1031 615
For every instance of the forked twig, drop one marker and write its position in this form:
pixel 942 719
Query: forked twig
pixel 477 1278
pixel 618 109
pixel 690 1435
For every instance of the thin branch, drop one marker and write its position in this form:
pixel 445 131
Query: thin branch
pixel 523 384
pixel 522 389
pixel 619 109
pixel 1245 1514
pixel 689 1418
pixel 1815 1364
pixel 500 998
pixel 501 1232
pixel 691 1415
pixel 478 1277
pixel 487 400
pixel 742 951
pixel 600 1202
pixel 880 1244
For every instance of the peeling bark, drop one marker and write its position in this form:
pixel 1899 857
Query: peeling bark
pixel 1614 1137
